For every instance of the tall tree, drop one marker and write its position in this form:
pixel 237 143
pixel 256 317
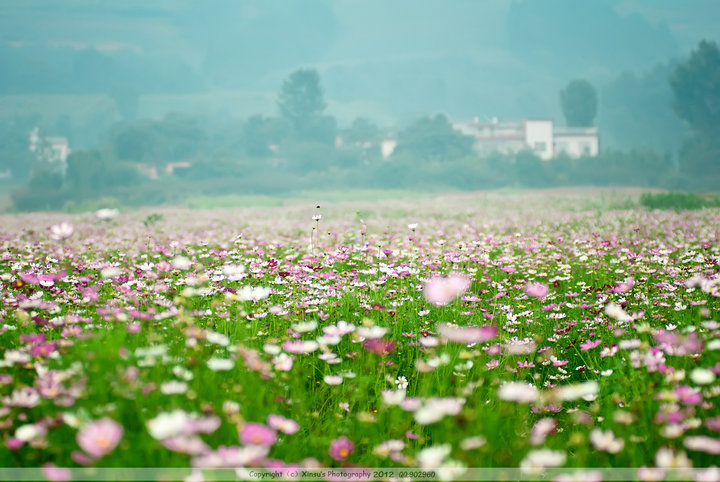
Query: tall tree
pixel 579 103
pixel 301 97
pixel 696 86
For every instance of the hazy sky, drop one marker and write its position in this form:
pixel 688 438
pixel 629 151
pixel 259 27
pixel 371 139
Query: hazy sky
pixel 389 59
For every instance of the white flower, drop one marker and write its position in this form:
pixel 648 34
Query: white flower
pixel 432 457
pixel 429 341
pixel 615 311
pixel 28 432
pixel 372 332
pixel 106 214
pixel 317 217
pixel 702 376
pixel 253 293
pixel 584 390
pixel 305 327
pixel 233 272
pixel 283 362
pixel 61 231
pixel 181 262
pixel 393 397
pixel 110 272
pixel 472 443
pixel 518 392
pixel 217 338
pixel 174 387
pixel 333 379
pixel 271 349
pixel 412 226
pixel 666 458
pixel 434 409
pixel 168 424
pixel 341 329
pixel 703 443
pixel 401 383
pixel 606 441
pixel 388 447
pixel 220 364
pixel 451 470
pixel 536 460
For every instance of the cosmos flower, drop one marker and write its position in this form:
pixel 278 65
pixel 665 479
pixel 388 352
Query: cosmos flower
pixel 536 460
pixel 106 214
pixel 537 290
pixel 341 448
pixel 283 424
pixel 467 335
pixel 518 392
pixel 432 457
pixel 253 433
pixel 220 364
pixel 100 437
pixel 606 441
pixel 440 291
pixel 61 231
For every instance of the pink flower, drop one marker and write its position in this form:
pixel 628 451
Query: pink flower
pixel 56 474
pixel 625 286
pixel 440 291
pixel 258 434
pixel 688 396
pixel 341 448
pixel 590 344
pixel 537 290
pixel 380 347
pixel 283 424
pixel 100 437
pixel 468 334
pixel 542 429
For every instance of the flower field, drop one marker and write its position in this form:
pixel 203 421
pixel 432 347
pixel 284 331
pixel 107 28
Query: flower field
pixel 509 330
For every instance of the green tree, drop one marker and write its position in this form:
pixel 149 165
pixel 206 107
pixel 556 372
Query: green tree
pixel 433 138
pixel 361 130
pixel 137 142
pixel 579 103
pixel 301 97
pixel 696 87
pixel 260 133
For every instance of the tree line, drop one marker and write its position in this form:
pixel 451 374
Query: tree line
pixel 300 149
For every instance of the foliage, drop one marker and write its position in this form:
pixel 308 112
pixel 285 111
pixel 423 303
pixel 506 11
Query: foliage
pixel 433 138
pixel 579 103
pixel 361 131
pixel 261 133
pixel 301 97
pixel 679 201
pixel 636 112
pixel 696 86
pixel 152 219
pixel 91 173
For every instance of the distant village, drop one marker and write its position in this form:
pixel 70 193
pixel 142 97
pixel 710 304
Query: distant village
pixel 540 136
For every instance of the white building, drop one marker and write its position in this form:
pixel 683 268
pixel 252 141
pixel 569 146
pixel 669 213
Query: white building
pixel 53 150
pixel 538 135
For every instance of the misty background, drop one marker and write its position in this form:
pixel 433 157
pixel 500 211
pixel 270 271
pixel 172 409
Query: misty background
pixel 137 86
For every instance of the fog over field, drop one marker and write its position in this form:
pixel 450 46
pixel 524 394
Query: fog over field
pixel 147 102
